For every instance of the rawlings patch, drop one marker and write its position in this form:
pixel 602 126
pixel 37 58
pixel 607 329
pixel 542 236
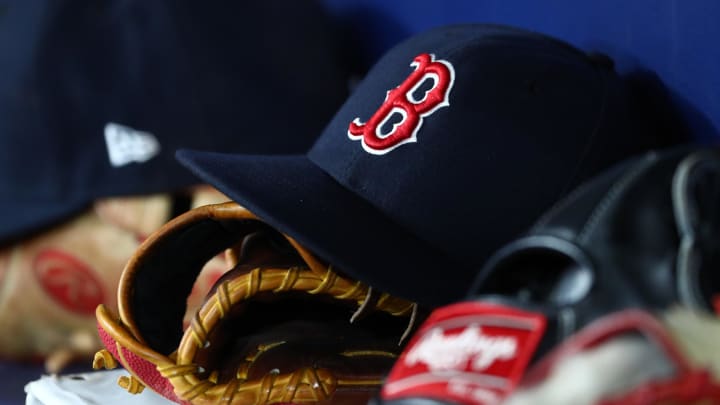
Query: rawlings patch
pixel 471 352
pixel 403 101
pixel 68 281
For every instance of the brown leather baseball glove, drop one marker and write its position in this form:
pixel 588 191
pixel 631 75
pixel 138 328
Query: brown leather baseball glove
pixel 281 326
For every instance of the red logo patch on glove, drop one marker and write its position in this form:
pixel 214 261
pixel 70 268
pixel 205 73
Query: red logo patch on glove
pixel 471 352
pixel 68 281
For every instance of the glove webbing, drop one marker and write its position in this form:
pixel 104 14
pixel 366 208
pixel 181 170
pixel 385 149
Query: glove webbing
pixel 301 385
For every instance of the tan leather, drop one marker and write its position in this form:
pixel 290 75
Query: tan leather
pixel 280 326
pixel 51 282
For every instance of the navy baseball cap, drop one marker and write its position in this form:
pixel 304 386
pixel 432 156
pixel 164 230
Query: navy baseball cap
pixel 95 97
pixel 454 143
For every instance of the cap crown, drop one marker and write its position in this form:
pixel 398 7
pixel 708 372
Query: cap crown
pixel 465 134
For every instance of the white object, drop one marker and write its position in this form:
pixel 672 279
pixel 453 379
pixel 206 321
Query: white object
pixel 97 387
pixel 585 378
pixel 126 145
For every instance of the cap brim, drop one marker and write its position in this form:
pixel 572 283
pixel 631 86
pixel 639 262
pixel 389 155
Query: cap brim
pixel 298 198
pixel 25 218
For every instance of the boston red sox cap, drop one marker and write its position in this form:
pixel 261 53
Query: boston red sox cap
pixel 96 96
pixel 455 142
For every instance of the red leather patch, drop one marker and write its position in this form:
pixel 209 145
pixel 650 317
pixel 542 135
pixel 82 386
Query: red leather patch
pixel 143 369
pixel 469 352
pixel 108 342
pixel 149 375
pixel 716 303
pixel 68 281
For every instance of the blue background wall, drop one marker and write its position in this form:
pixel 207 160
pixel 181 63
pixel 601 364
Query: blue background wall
pixel 675 39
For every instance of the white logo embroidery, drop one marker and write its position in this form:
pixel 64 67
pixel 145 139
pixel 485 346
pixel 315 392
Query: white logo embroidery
pixel 126 145
pixel 442 353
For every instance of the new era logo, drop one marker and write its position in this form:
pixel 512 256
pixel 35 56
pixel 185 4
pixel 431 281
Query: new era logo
pixel 126 145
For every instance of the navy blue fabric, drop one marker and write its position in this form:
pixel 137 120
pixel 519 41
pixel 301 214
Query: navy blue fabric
pixel 14 377
pixel 676 41
pixel 528 118
pixel 252 77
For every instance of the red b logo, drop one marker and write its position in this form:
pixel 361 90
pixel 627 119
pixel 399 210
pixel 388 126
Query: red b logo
pixel 402 100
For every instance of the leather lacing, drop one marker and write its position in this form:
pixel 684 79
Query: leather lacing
pixel 302 385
